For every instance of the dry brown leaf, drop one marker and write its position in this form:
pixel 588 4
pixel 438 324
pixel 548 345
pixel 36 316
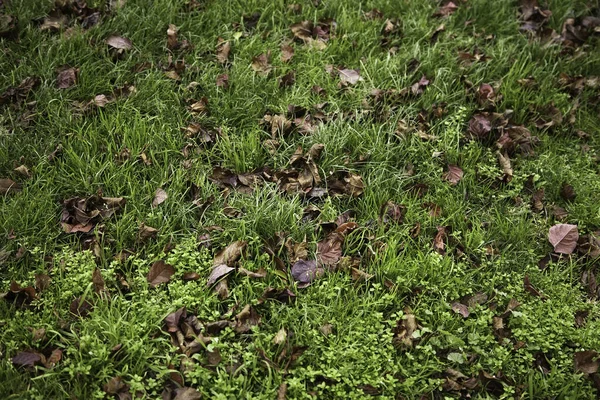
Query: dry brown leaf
pixel 159 197
pixel 160 272
pixel 564 238
pixel 119 42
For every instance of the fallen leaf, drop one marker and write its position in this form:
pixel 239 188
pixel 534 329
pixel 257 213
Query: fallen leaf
pixel 461 309
pixel 531 289
pixel 586 361
pixel 159 197
pixel 119 42
pixel 246 319
pixel 8 186
pixel 280 337
pixel 160 272
pixel 261 273
pixel 27 359
pixel 23 170
pixel 116 386
pixel 261 64
pixel 392 213
pixel 564 238
pixel 82 214
pixel 98 281
pixel 453 175
pixel 230 254
pixel 349 76
pixel 172 36
pixel 446 9
pixel 329 250
pixel 304 272
pixel 218 272
pixel 223 49
pixel 187 393
pixel 145 233
pixel 191 276
pixel 567 192
pixel 282 295
pixel 223 81
pixel 288 79
pixel 287 52
pixel 67 77
pixel 439 242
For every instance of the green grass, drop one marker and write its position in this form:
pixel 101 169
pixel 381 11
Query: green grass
pixel 361 354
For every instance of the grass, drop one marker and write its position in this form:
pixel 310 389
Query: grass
pixel 361 354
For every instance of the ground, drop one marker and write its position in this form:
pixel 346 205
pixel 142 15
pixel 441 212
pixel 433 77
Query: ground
pixel 330 199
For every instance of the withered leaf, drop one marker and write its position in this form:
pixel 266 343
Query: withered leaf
pixel 230 254
pixel 146 232
pixel 282 295
pixel 160 272
pixel 82 214
pixel 304 272
pixel 453 175
pixel 564 238
pixel 261 273
pixel 392 213
pixel 461 309
pixel 173 319
pixel 329 250
pixel 27 359
pixel 531 289
pixel 119 42
pixel 223 81
pixel 261 64
pixel 218 272
pixel 246 319
pixel 8 186
pixel 287 52
pixel 439 242
pixel 349 76
pixel 446 9
pixel 191 276
pixel 172 36
pixel 159 197
pixel 586 361
pixel 67 77
pixel 81 307
pixel 98 281
pixel 187 393
pixel 223 49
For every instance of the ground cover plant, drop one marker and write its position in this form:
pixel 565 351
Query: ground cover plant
pixel 319 199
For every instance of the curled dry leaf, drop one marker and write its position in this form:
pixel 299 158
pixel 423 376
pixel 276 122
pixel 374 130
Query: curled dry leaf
pixel 160 272
pixel 453 175
pixel 349 76
pixel 223 49
pixel 564 238
pixel 8 186
pixel 82 214
pixel 586 361
pixel 217 273
pixel 159 197
pixel 66 77
pixel 230 254
pixel 329 251
pixel 287 52
pixel 119 42
pixel 261 64
pixel 304 272
pixel 246 319
pixel 27 359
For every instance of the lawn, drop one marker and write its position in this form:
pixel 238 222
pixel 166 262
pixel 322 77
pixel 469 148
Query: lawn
pixel 329 199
